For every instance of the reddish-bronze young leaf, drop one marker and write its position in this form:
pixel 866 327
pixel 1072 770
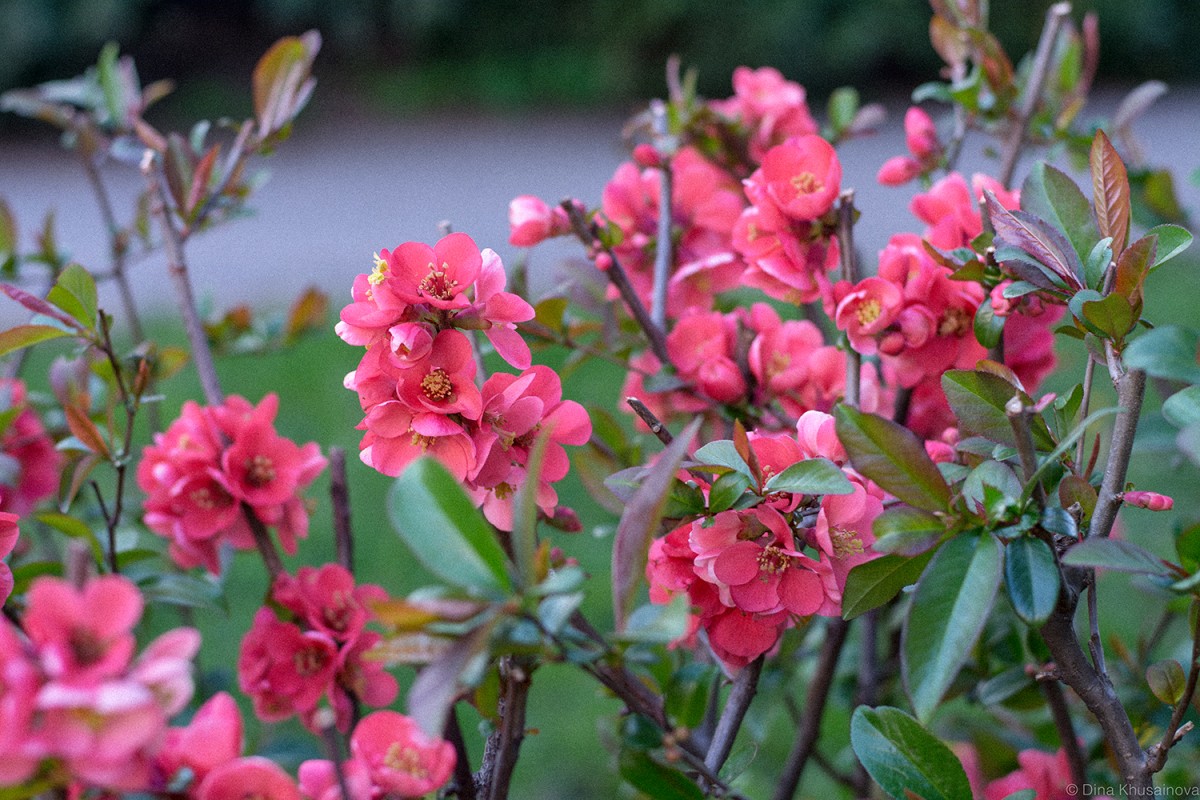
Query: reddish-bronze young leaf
pixel 1132 268
pixel 307 313
pixel 26 335
pixel 200 178
pixel 39 306
pixel 1038 238
pixel 1110 189
pixel 86 431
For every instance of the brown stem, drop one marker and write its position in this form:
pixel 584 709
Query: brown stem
pixel 339 496
pixel 1089 376
pixel 585 232
pixel 177 268
pixel 117 245
pixel 652 422
pixel 514 674
pixel 745 685
pixel 1018 418
pixel 1055 16
pixel 1057 702
pixel 1131 387
pixel 264 543
pixel 814 708
pixel 335 751
pixel 845 235
pixel 120 461
pixel 664 248
pixel 464 781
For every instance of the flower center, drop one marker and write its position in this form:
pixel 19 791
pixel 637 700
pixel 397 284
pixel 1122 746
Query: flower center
pixel 772 560
pixel 806 183
pixel 436 285
pixel 954 322
pixel 205 499
pixel 845 543
pixel 379 273
pixel 309 661
pixel 437 385
pixel 868 311
pixel 503 491
pixel 400 758
pixel 86 647
pixel 423 442
pixel 260 470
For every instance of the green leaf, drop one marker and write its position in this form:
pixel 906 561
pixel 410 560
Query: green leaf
pixel 1172 240
pixel 75 293
pixel 843 105
pixel 1111 317
pixel 904 758
pixel 654 779
pixel 1051 194
pixel 873 583
pixel 726 490
pixel 447 534
pixel 949 608
pixel 191 591
pixel 1061 450
pixel 723 453
pixel 658 624
pixel 1031 577
pixel 978 399
pixel 28 335
pixel 989 327
pixel 811 476
pixel 906 531
pixel 110 84
pixel 1167 681
pixel 525 514
pixel 892 456
pixel 1097 263
pixel 75 528
pixel 438 683
pixel 1168 351
pixel 1115 554
pixel 1183 408
pixel 640 521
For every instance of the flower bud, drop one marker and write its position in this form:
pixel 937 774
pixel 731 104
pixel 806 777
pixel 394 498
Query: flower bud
pixel 1152 501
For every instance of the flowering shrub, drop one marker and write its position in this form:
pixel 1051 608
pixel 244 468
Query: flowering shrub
pixel 852 460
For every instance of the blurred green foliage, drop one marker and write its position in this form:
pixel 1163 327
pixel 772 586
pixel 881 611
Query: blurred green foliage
pixel 563 52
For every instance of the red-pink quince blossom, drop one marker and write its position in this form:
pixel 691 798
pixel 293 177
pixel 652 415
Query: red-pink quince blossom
pixel 438 276
pixel 1048 774
pixel 19 683
pixel 319 780
pixel 33 464
pixel 249 776
pixel 83 636
pixel 284 669
pixel 8 540
pixel 803 177
pixel 444 381
pixel 213 738
pixel 400 758
pixel 771 107
pixel 531 221
pixel 396 436
pixel 328 599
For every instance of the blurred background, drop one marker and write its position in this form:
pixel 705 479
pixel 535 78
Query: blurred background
pixel 432 111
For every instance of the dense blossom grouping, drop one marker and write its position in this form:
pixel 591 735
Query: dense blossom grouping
pixel 417 381
pixel 74 692
pixel 212 467
pixel 29 463
pixel 317 653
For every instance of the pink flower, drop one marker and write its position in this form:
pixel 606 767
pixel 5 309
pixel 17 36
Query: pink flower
pixel 250 776
pixel 920 134
pixel 438 276
pixel 738 637
pixel 1149 500
pixel 501 311
pixel 212 739
pixel 803 177
pixel 83 636
pixel 866 311
pixel 328 600
pixel 702 347
pixel 1048 774
pixel 898 170
pixel 318 780
pixel 396 437
pixel 262 467
pixel 400 758
pixel 444 381
pixel 284 669
pixel 165 667
pixel 19 684
pixel 816 433
pixel 531 221
pixel 8 540
pixel 771 107
pixel 33 462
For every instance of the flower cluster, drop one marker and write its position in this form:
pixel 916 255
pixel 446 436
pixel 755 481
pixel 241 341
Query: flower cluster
pixel 750 574
pixel 390 756
pixel 8 540
pixel 417 380
pixel 319 650
pixel 920 136
pixel 73 692
pixel 211 465
pixel 29 463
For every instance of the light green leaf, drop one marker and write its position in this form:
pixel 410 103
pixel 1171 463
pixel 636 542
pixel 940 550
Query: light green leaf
pixel 875 582
pixel 1115 554
pixel 904 758
pixel 27 335
pixel 812 476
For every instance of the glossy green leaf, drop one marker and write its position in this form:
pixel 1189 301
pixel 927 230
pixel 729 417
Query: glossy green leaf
pixel 1031 577
pixel 1167 681
pixel 639 523
pixel 74 528
pixel 653 623
pixel 811 476
pixel 978 399
pixel 28 335
pixel 904 758
pixel 189 591
pixel 75 293
pixel 1100 256
pixel 1051 194
pixel 447 534
pixel 1168 351
pixel 892 456
pixel 1115 554
pixel 1172 240
pixel 873 583
pixel 1183 408
pixel 726 490
pixel 906 531
pixel 843 105
pixel 949 608
pixel 654 779
pixel 722 453
pixel 989 326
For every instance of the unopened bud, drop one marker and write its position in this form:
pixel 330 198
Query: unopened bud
pixel 1152 501
pixel 647 156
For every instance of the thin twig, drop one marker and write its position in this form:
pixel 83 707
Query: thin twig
pixel 1131 387
pixel 1089 376
pixel 1055 16
pixel 120 461
pixel 514 674
pixel 1057 702
pixel 177 268
pixel 1157 755
pixel 464 781
pixel 1095 643
pixel 745 685
pixel 814 708
pixel 616 274
pixel 664 247
pixel 339 497
pixel 117 245
pixel 264 543
pixel 845 235
pixel 334 749
pixel 652 422
pixel 1018 418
